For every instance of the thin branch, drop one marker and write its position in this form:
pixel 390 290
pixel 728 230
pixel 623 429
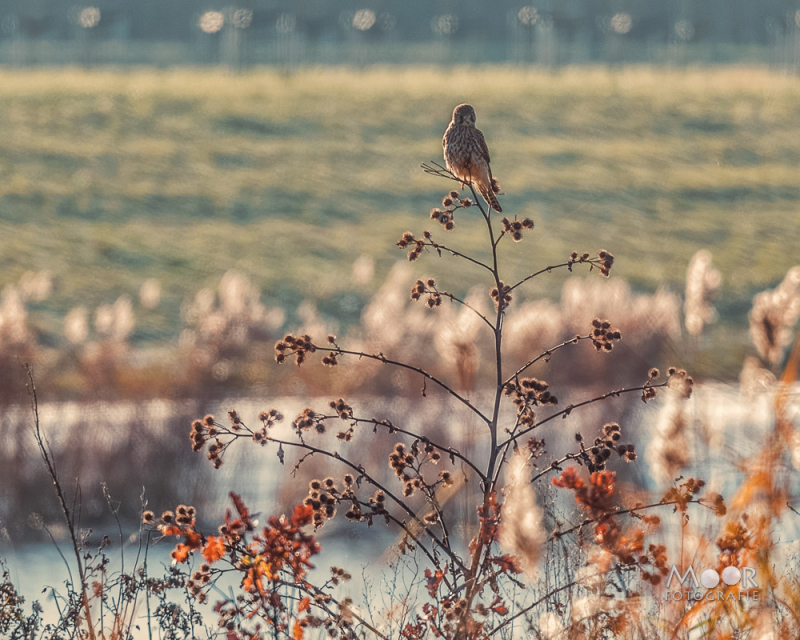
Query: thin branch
pixel 620 512
pixel 545 354
pixel 468 306
pixel 569 264
pixel 362 472
pixel 48 461
pixel 471 577
pixel 435 245
pixel 565 412
pixel 390 427
pixel 381 358
pixel 522 612
pixel 505 452
pixel 435 169
pixel 313 590
pixel 556 464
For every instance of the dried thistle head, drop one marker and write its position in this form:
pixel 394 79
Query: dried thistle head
pixel 515 227
pixel 291 345
pixel 603 335
pixel 606 262
pixel 501 296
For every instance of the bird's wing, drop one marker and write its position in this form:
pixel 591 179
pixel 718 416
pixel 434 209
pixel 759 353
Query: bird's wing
pixel 482 148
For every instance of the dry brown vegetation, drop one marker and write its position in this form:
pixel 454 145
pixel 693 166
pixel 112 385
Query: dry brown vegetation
pixel 560 541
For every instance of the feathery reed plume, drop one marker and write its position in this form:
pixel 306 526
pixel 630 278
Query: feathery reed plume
pixel 457 341
pixel 703 282
pixel 755 379
pixel 76 325
pixel 774 314
pixel 669 451
pixel 363 270
pixel 550 627
pixel 35 286
pixel 115 321
pixel 390 320
pixel 521 532
pixel 14 328
pixel 150 293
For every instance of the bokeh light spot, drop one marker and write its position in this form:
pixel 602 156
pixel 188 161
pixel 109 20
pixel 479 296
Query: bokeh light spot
pixel 89 17
pixel 211 21
pixel 528 16
pixel 364 19
pixel 622 23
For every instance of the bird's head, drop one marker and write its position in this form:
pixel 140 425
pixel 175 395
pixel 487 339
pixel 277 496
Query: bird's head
pixel 464 114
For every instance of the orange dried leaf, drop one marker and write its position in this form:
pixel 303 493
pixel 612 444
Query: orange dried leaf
pixel 507 564
pixel 305 603
pixel 297 631
pixel 170 530
pixel 180 553
pixel 214 549
pixel 193 539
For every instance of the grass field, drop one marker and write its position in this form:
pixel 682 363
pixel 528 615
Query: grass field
pixel 108 178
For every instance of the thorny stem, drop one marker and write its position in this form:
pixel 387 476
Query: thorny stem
pixel 61 499
pixel 565 412
pixel 381 358
pixel 505 452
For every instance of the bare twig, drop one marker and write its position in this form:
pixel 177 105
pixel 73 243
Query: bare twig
pixel 381 358
pixel 620 512
pixel 565 412
pixel 360 469
pixel 51 470
pixel 569 263
pixel 435 245
pixel 545 354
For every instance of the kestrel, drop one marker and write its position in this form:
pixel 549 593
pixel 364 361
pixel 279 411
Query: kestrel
pixel 466 154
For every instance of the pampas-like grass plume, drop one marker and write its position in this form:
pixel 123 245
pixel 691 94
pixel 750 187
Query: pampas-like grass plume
pixel 521 531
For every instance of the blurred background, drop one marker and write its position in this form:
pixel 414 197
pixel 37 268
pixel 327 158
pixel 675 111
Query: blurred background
pixel 181 183
pixel 417 31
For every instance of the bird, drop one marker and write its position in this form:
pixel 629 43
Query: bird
pixel 467 156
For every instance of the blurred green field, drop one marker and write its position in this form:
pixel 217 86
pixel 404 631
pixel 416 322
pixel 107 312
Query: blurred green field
pixel 111 177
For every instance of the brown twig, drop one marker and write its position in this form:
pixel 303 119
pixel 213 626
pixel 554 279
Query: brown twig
pixel 51 470
pixel 363 473
pixel 440 247
pixel 620 512
pixel 544 354
pixel 593 261
pixel 381 358
pixel 565 412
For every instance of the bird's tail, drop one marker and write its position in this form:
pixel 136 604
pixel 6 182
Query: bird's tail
pixel 488 194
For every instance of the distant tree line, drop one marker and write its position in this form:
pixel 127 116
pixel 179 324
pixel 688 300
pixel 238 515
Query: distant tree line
pixel 601 29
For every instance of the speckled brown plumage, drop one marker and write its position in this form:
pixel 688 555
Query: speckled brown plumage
pixel 466 154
